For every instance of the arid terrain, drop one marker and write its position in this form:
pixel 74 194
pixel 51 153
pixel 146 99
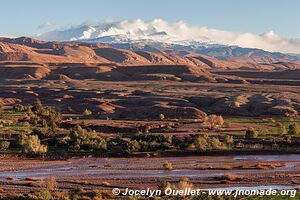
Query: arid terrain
pixel 127 98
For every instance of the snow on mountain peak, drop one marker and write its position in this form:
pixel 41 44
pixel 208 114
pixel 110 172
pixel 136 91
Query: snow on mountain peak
pixel 158 30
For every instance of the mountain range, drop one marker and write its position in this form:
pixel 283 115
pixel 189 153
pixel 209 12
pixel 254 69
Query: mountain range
pixel 177 39
pixel 140 53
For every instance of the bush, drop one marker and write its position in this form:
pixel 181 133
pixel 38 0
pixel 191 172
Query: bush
pixel 282 130
pixel 132 146
pixel 165 185
pixel 19 108
pixel 167 166
pixel 44 194
pixel 294 129
pixel 21 138
pixel 161 117
pixel 288 139
pixel 184 183
pixel 202 142
pixel 51 183
pixel 251 133
pixel 87 112
pixel 215 143
pixel 229 140
pixel 32 145
pixel 4 145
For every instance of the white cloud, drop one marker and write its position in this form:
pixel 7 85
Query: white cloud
pixel 8 36
pixel 176 32
pixel 46 26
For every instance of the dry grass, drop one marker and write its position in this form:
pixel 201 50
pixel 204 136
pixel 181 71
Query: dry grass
pixel 229 177
pixel 265 166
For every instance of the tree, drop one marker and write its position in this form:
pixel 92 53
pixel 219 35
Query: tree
pixel 32 145
pixel 202 142
pixel 45 117
pixel 214 121
pixel 81 138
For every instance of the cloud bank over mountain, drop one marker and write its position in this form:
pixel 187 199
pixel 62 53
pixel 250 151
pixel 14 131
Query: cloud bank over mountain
pixel 177 33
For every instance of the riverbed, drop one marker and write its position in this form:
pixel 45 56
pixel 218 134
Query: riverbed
pixel 281 171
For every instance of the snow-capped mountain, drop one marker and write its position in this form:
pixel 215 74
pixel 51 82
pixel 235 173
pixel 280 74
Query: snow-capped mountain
pixel 181 39
pixel 137 31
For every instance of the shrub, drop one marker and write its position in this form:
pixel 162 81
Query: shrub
pixel 294 129
pixel 201 142
pixel 51 183
pixel 19 108
pixel 288 139
pixel 4 145
pixel 32 145
pixel 167 166
pixel 37 106
pixel 87 112
pixel 161 117
pixel 251 133
pixel 21 138
pixel 132 146
pixel 215 143
pixel 184 183
pixel 44 194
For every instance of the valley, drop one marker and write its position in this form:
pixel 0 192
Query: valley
pixel 104 117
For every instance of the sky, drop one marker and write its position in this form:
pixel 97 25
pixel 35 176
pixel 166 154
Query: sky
pixel 20 17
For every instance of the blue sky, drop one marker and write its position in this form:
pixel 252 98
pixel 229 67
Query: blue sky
pixel 20 17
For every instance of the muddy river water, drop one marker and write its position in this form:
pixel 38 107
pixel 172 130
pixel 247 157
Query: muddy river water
pixel 195 168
